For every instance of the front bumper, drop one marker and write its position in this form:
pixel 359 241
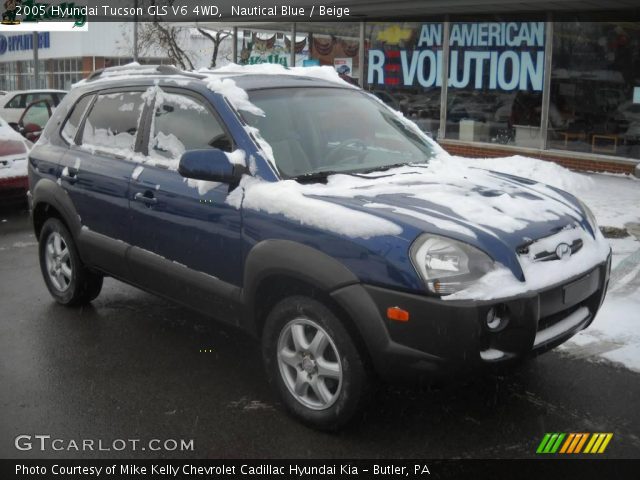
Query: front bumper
pixel 447 336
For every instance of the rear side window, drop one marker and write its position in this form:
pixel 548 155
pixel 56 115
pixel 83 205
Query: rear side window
pixel 32 97
pixel 181 123
pixel 73 122
pixel 113 122
pixel 16 102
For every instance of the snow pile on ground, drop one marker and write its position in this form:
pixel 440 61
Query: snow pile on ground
pixel 615 200
pixel 615 333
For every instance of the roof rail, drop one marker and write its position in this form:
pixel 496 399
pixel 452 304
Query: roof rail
pixel 144 70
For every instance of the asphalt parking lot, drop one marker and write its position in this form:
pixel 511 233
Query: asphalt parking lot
pixel 134 366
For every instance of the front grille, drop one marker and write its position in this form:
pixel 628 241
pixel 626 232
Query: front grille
pixel 544 249
pixel 546 256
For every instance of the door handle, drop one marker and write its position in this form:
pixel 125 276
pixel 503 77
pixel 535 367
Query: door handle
pixel 71 176
pixel 147 199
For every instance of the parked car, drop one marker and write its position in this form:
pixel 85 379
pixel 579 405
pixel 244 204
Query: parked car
pixel 306 212
pixel 13 104
pixel 34 119
pixel 13 162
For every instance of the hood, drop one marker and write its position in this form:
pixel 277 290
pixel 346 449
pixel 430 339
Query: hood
pixel 495 212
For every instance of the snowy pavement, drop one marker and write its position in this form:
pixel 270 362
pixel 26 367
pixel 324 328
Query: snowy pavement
pixel 615 201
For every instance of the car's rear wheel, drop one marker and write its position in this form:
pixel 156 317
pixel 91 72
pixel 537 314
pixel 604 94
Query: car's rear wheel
pixel 69 281
pixel 314 363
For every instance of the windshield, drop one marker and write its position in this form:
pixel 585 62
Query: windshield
pixel 313 130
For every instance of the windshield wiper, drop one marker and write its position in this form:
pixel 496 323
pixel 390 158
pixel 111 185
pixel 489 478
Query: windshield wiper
pixel 315 176
pixel 383 168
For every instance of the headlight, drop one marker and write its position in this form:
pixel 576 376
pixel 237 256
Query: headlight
pixel 591 218
pixel 446 265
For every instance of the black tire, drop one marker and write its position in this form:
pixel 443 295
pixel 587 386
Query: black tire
pixel 349 393
pixel 79 285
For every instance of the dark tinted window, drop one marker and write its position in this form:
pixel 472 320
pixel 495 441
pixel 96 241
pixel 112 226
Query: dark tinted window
pixel 183 123
pixel 112 124
pixel 71 125
pixel 57 98
pixel 16 102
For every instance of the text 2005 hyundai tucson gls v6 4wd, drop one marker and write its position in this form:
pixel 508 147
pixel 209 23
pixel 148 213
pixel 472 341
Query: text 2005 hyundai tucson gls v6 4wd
pixel 307 212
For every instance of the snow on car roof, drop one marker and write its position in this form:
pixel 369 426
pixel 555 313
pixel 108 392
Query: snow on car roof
pixel 42 90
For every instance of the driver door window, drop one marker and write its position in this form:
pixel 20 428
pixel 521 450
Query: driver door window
pixel 36 115
pixel 181 123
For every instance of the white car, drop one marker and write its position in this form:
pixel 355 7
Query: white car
pixel 12 104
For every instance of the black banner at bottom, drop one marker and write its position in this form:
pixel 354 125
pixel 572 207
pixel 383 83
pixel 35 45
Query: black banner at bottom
pixel 539 469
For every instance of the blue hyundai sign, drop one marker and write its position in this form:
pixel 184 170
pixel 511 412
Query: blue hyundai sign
pixel 22 42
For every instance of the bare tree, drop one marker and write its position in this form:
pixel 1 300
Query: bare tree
pixel 217 38
pixel 160 35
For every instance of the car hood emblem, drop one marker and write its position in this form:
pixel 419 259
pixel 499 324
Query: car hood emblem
pixel 563 251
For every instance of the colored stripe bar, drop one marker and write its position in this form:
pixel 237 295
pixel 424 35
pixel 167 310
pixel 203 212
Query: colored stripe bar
pixel 606 441
pixel 594 437
pixel 544 441
pixel 567 442
pixel 554 449
pixel 581 443
pixel 574 444
pixel 550 443
pixel 599 440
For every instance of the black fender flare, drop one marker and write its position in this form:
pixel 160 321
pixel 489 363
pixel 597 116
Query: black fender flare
pixel 49 192
pixel 292 259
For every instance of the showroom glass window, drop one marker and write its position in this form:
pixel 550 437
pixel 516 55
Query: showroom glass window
pixel 496 75
pixel 595 88
pixel 404 65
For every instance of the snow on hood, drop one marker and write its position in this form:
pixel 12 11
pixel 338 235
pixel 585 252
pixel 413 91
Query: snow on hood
pixel 448 198
pixel 542 171
pixel 442 194
pixel 288 199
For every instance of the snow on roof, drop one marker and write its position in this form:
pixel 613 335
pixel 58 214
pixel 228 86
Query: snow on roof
pixel 325 73
pixel 42 90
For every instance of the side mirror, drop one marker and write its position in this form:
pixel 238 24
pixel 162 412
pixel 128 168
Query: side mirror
pixel 211 164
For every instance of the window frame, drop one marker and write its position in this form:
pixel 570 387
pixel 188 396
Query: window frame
pixel 63 124
pixel 146 140
pixel 141 126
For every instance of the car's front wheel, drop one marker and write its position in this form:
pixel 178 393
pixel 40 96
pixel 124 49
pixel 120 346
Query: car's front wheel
pixel 66 277
pixel 314 363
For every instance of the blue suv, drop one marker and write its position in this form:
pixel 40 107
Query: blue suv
pixel 303 210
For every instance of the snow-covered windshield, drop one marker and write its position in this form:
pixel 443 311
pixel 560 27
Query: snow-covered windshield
pixel 314 130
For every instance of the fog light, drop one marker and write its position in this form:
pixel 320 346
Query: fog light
pixel 497 318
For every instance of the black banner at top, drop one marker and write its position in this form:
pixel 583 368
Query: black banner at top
pixel 239 11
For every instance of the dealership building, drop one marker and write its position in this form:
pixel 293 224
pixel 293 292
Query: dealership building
pixel 66 57
pixel 557 80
